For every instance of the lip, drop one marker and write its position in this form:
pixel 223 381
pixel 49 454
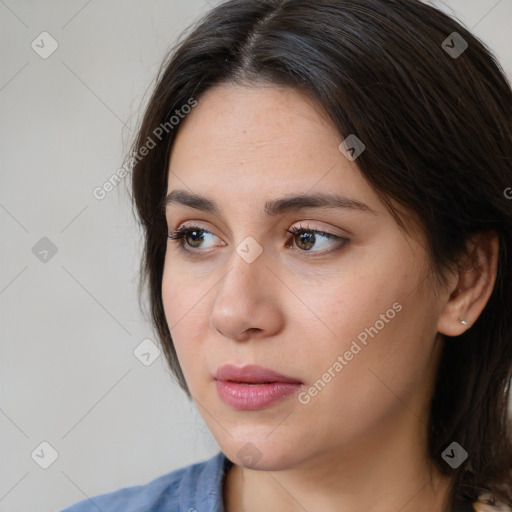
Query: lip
pixel 251 373
pixel 253 387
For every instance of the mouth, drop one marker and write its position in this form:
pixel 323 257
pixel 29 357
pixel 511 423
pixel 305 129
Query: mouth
pixel 253 387
pixel 252 374
pixel 249 383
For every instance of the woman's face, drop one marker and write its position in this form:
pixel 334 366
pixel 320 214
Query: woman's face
pixel 352 319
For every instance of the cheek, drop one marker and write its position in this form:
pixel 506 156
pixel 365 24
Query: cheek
pixel 345 303
pixel 184 291
pixel 172 294
pixel 185 307
pixel 388 376
pixel 380 322
pixel 355 387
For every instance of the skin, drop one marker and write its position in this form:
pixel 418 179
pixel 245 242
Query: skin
pixel 360 443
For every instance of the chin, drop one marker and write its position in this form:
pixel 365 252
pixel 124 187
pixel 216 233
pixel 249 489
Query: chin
pixel 260 455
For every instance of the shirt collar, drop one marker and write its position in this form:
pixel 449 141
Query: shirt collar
pixel 201 490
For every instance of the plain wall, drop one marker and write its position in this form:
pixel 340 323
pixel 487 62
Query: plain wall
pixel 70 321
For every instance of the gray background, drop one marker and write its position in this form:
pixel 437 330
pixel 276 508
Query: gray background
pixel 70 322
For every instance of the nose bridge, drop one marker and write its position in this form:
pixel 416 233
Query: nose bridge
pixel 246 268
pixel 244 300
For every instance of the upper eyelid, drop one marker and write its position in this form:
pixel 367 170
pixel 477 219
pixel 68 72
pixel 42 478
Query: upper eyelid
pixel 185 226
pixel 296 225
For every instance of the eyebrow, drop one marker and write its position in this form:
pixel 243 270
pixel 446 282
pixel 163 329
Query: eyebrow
pixel 274 207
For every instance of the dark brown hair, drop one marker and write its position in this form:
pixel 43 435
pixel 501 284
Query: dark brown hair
pixel 438 131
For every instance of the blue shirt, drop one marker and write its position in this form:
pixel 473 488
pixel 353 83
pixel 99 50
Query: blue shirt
pixel 194 488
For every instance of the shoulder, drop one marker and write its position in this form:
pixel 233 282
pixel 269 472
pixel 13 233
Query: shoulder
pixel 198 486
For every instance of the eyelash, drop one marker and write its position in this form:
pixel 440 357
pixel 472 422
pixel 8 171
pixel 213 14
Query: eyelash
pixel 179 235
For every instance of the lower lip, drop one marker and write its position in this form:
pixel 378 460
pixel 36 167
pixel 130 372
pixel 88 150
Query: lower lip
pixel 251 397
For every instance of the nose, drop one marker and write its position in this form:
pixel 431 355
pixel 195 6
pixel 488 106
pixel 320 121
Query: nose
pixel 247 304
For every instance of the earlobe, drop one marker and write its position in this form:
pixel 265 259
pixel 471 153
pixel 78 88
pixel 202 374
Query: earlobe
pixel 474 286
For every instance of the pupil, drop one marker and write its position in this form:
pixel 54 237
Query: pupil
pixel 193 235
pixel 308 239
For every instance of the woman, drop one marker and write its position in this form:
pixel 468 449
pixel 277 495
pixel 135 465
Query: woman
pixel 324 187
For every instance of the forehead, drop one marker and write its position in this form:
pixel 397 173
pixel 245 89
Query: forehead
pixel 232 120
pixel 253 106
pixel 264 138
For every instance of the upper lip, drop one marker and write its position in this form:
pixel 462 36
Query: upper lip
pixel 251 373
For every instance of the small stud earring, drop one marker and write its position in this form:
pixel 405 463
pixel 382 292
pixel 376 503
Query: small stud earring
pixel 463 322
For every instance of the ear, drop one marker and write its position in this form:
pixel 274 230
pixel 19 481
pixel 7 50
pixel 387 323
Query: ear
pixel 474 284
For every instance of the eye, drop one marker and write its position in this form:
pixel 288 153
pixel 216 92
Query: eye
pixel 306 238
pixel 190 236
